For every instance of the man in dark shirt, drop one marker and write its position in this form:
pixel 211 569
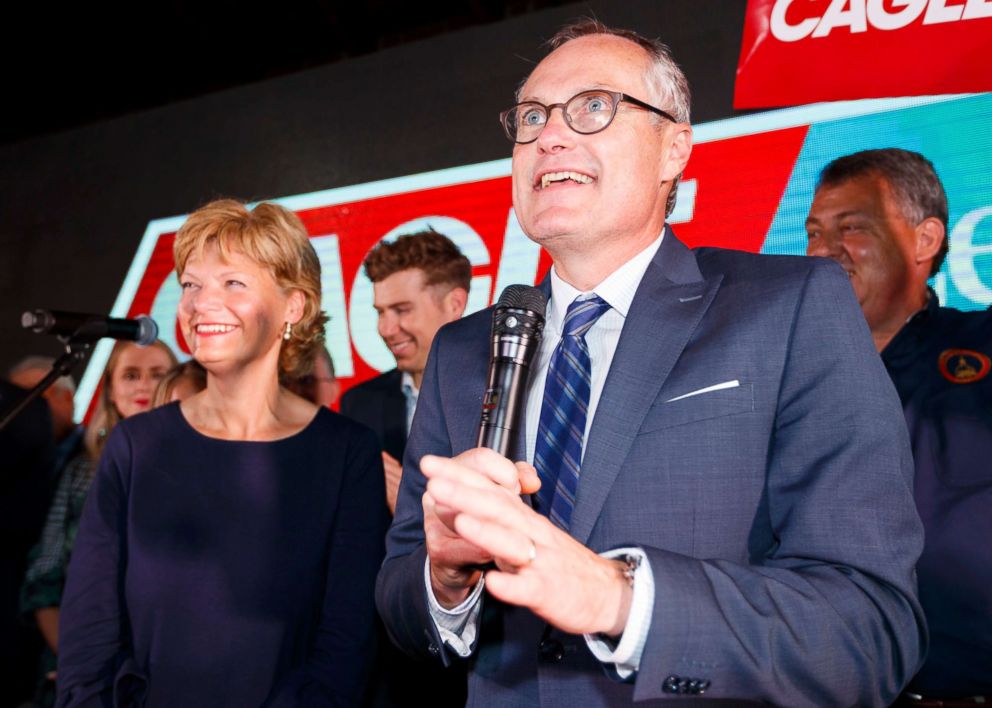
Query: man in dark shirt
pixel 420 283
pixel 882 215
pixel 27 373
pixel 26 453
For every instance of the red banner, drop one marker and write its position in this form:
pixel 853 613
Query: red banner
pixel 803 51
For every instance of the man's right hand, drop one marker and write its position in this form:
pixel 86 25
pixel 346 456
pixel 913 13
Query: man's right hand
pixel 394 473
pixel 455 564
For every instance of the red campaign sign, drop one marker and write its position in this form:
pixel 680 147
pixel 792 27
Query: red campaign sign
pixel 740 182
pixel 803 51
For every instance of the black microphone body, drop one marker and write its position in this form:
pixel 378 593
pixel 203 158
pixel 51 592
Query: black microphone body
pixel 83 327
pixel 518 324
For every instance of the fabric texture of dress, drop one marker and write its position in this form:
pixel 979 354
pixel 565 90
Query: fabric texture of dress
pixel 217 573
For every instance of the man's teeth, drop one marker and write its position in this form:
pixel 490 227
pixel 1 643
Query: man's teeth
pixel 214 328
pixel 550 177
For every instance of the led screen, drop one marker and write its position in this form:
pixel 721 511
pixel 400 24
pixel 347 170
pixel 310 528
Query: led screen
pixel 749 185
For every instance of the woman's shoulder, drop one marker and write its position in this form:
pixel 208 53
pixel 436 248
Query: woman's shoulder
pixel 146 430
pixel 330 423
pixel 166 418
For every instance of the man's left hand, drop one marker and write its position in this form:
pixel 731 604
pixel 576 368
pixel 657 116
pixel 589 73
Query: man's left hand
pixel 539 566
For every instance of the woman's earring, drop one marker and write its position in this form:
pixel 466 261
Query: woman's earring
pixel 288 332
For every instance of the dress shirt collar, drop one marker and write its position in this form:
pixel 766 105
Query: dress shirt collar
pixel 617 289
pixel 905 343
pixel 409 388
pixel 411 393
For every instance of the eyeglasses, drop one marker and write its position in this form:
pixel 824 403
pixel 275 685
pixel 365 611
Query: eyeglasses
pixel 586 113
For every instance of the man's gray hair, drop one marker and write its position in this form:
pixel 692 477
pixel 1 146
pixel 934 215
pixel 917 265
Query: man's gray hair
pixel 42 363
pixel 913 179
pixel 667 84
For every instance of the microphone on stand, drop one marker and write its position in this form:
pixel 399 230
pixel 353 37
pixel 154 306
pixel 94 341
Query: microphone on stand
pixel 89 328
pixel 518 324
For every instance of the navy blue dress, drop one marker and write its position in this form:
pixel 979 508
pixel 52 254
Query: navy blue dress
pixel 225 573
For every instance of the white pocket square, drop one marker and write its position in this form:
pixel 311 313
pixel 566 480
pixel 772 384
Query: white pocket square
pixel 715 387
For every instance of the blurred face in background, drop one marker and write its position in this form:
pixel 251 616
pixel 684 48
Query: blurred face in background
pixel 58 397
pixel 135 376
pixel 411 313
pixel 859 224
pixel 183 389
pixel 326 386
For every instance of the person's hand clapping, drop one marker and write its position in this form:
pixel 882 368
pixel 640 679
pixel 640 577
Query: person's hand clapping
pixel 477 516
pixel 454 562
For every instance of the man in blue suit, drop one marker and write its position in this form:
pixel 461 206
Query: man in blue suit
pixel 726 497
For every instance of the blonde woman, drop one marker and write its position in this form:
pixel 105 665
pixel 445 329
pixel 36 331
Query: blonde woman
pixel 229 551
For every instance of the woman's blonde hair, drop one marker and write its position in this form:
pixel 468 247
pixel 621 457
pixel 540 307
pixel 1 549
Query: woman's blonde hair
pixel 106 415
pixel 273 237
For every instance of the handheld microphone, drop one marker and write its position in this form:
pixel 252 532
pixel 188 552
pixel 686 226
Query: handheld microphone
pixel 89 328
pixel 518 323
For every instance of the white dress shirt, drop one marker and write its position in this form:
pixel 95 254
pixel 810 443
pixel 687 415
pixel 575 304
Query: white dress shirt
pixel 459 626
pixel 411 393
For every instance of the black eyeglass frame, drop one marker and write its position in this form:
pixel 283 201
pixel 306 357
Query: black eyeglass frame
pixel 618 98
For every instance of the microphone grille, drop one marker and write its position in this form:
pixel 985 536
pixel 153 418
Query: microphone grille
pixel 147 330
pixel 523 297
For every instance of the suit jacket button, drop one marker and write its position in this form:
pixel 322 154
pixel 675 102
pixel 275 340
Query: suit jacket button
pixel 671 684
pixel 551 650
pixel 433 649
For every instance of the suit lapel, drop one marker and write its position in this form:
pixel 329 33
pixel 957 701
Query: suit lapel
pixel 668 306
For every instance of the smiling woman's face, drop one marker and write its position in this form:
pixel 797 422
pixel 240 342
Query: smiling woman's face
pixel 135 376
pixel 232 311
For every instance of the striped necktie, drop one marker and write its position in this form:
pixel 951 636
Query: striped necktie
pixel 560 433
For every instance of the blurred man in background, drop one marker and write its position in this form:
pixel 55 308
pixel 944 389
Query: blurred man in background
pixel 26 454
pixel 321 385
pixel 27 373
pixel 882 215
pixel 421 282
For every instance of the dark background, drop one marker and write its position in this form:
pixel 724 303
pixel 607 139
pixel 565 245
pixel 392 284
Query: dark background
pixel 404 93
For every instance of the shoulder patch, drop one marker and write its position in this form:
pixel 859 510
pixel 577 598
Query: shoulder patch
pixel 963 366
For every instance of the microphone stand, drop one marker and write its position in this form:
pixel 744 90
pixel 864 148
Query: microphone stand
pixel 75 352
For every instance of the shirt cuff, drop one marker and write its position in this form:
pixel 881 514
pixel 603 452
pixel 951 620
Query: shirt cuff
pixel 458 626
pixel 625 655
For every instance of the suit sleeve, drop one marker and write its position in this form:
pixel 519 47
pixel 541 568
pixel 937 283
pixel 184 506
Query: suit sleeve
pixel 828 614
pixel 401 594
pixel 94 642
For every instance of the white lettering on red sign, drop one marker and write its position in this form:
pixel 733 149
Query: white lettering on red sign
pixel 858 16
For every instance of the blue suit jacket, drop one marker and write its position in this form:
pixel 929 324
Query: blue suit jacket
pixel 777 515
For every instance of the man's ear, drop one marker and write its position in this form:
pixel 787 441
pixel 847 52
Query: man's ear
pixel 676 157
pixel 930 235
pixel 454 302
